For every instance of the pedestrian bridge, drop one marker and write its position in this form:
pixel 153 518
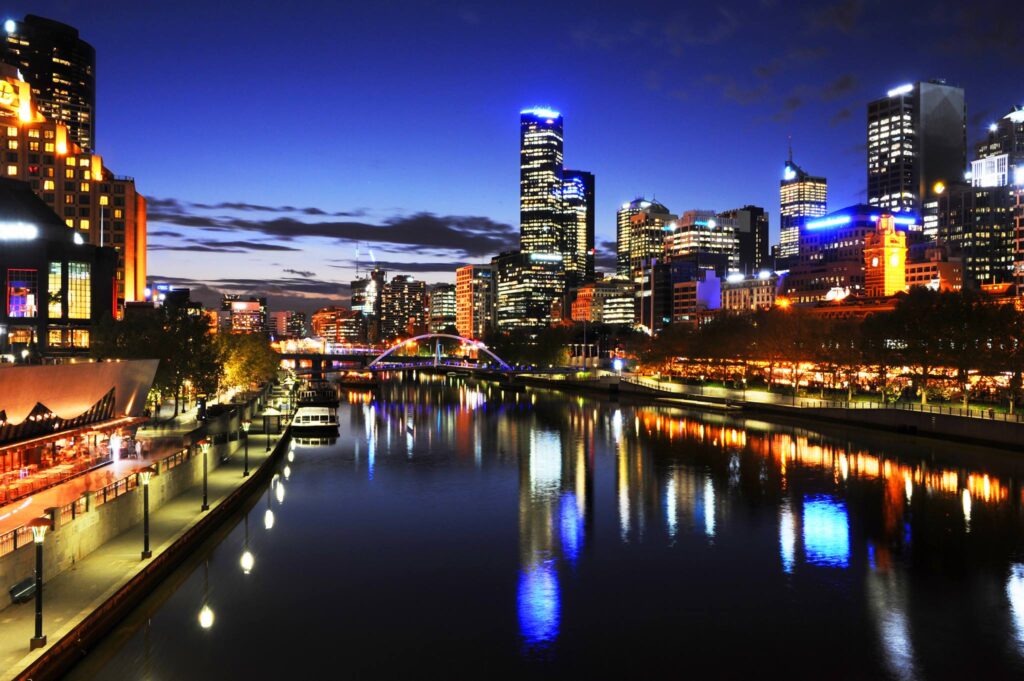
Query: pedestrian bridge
pixel 377 360
pixel 379 363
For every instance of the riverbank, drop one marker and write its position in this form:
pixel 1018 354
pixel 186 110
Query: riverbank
pixel 90 596
pixel 999 430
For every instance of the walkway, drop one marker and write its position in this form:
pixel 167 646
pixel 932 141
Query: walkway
pixel 75 593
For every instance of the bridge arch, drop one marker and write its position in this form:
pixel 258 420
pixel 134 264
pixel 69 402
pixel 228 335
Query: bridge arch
pixel 475 343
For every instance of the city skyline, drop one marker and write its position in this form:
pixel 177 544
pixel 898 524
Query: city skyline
pixel 272 219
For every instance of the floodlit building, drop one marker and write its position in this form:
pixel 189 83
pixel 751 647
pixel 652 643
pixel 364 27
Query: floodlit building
pixel 917 136
pixel 474 300
pixel 540 180
pixel 749 226
pixel 60 68
pixel 528 289
pixel 699 232
pixel 339 326
pixel 607 301
pixel 442 308
pixel 933 267
pixel 802 196
pixel 403 308
pixel 640 233
pixel 103 208
pixel 885 256
pixel 56 286
pixel 742 294
pixel 245 314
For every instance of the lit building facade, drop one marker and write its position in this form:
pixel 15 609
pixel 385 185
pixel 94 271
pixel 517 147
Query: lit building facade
pixel 246 314
pixel 60 67
pixel 540 181
pixel 699 232
pixel 742 294
pixel 885 257
pixel 577 246
pixel 442 308
pixel 474 300
pixel 403 308
pixel 749 226
pixel 529 288
pixel 104 209
pixel 339 326
pixel 367 297
pixel 802 197
pixel 917 136
pixel 934 268
pixel 287 324
pixel 640 233
pixel 56 287
pixel 607 301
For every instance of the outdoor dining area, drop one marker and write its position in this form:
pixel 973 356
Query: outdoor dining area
pixel 33 465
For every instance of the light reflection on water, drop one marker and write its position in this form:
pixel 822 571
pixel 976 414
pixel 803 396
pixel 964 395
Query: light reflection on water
pixel 534 526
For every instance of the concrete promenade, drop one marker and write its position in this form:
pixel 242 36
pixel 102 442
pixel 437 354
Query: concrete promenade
pixel 74 594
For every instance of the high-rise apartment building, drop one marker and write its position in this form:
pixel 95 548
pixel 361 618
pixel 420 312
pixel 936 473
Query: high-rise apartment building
pixel 917 137
pixel 60 67
pixel 640 233
pixel 403 308
pixel 749 226
pixel 103 208
pixel 529 287
pixel 578 228
pixel 802 197
pixel 540 181
pixel 474 300
pixel 441 308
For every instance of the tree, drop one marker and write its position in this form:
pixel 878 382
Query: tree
pixel 917 335
pixel 248 360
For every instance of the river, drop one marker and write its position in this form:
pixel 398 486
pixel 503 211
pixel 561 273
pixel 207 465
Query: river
pixel 456 530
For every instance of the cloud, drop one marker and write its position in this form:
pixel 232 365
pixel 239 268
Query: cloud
pixel 464 235
pixel 842 16
pixel 169 204
pixel 194 245
pixel 286 294
pixel 410 267
pixel 299 273
pixel 840 116
pixel 745 95
pixel 840 87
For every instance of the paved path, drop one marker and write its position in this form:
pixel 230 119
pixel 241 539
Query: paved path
pixel 72 595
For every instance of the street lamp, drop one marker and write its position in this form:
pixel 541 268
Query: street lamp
pixel 246 424
pixel 205 446
pixel 144 475
pixel 266 429
pixel 39 526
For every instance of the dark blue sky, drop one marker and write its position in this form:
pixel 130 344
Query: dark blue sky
pixel 274 137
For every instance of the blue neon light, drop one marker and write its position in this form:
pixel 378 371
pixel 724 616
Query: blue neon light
pixel 826 531
pixel 909 220
pixel 541 112
pixel 789 173
pixel 833 221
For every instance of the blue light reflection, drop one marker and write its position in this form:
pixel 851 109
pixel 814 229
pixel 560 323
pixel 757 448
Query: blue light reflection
pixel 826 531
pixel 539 604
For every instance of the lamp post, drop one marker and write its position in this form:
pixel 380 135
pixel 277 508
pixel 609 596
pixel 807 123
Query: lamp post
pixel 39 527
pixel 266 430
pixel 144 476
pixel 205 446
pixel 246 424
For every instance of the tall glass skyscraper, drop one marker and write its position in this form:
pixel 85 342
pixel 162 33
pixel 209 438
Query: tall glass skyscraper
pixel 577 245
pixel 540 181
pixel 917 136
pixel 60 67
pixel 801 197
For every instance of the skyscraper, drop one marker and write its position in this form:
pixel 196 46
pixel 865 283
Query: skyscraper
pixel 540 181
pixel 528 287
pixel 578 228
pixel 474 300
pixel 366 298
pixel 699 236
pixel 640 233
pixel 917 136
pixel 60 67
pixel 441 306
pixel 403 310
pixel 802 196
pixel 749 226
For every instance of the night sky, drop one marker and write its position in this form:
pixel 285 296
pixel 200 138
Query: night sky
pixel 273 138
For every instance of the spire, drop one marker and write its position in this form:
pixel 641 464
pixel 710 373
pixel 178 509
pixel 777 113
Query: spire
pixel 790 160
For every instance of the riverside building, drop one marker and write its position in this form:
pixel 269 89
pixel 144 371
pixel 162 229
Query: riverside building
pixel 474 300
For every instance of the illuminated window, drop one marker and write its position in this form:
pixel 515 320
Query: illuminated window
pixel 69 173
pixel 48 147
pixel 83 187
pixel 55 337
pixel 84 162
pixel 83 225
pixel 21 336
pixel 47 185
pixel 12 132
pixel 48 134
pixel 33 146
pixel 79 291
pixel 22 293
pixel 70 222
pixel 34 134
pixel 80 338
pixel 12 170
pixel 54 286
pixel 118 213
pixel 104 200
pixel 12 144
pixel 86 175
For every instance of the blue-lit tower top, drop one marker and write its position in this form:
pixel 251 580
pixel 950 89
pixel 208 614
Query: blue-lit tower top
pixel 801 197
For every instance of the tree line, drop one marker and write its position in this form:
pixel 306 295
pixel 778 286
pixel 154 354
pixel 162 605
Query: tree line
pixel 935 341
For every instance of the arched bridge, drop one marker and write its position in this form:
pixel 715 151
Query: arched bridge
pixel 479 345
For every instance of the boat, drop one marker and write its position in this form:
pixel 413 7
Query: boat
pixel 315 418
pixel 310 440
pixel 318 393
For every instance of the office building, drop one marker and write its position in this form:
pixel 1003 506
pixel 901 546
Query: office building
pixel 474 300
pixel 60 68
pixel 403 311
pixel 916 137
pixel 577 247
pixel 529 289
pixel 885 257
pixel 366 298
pixel 339 326
pixel 540 181
pixel 245 314
pixel 640 233
pixel 104 209
pixel 802 197
pixel 287 324
pixel 442 309
pixel 932 266
pixel 606 301
pixel 749 226
pixel 56 287
pixel 744 294
pixel 700 233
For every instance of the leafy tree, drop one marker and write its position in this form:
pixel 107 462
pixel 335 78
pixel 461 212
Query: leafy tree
pixel 248 360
